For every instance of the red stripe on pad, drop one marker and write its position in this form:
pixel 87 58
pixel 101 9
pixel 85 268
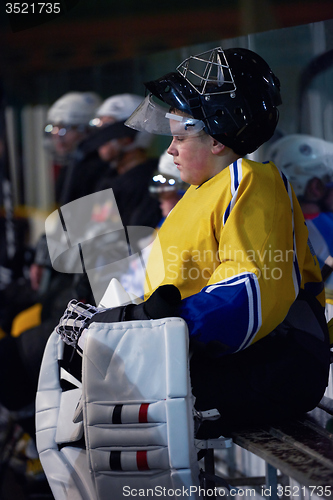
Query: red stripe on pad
pixel 143 413
pixel 141 460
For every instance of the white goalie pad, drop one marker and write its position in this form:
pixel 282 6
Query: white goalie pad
pixel 138 409
pixel 137 415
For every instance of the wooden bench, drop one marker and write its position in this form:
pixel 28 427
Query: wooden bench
pixel 301 450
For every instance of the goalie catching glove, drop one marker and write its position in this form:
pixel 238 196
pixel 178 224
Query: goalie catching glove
pixel 163 303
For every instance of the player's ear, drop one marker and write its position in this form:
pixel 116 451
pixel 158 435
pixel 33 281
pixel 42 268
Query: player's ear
pixel 217 147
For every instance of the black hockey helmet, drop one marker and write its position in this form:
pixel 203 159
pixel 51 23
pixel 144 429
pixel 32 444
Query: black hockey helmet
pixel 233 93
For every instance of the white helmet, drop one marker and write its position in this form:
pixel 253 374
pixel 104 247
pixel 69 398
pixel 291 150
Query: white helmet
pixel 167 178
pixel 120 107
pixel 302 157
pixel 74 108
pixel 167 166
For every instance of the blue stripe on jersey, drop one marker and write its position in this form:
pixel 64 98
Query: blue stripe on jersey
pixel 236 176
pixel 285 181
pixel 235 172
pixel 226 214
pixel 228 312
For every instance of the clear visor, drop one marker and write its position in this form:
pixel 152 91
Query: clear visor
pixel 158 119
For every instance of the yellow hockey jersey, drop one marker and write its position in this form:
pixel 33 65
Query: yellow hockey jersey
pixel 237 249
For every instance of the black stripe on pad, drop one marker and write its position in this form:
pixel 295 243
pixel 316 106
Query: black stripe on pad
pixel 116 415
pixel 115 463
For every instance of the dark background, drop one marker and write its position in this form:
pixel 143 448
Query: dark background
pixel 98 44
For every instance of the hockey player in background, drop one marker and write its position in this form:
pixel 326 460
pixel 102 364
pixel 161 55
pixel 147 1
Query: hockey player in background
pixel 308 164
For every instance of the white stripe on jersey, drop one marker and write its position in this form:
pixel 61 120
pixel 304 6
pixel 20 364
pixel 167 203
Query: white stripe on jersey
pixel 254 305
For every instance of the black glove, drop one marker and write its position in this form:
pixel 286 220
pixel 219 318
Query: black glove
pixel 163 303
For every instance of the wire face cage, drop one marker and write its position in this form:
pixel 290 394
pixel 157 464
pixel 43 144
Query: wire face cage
pixel 208 73
pixel 74 320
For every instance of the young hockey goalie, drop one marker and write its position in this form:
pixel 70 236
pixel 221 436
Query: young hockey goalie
pixel 237 264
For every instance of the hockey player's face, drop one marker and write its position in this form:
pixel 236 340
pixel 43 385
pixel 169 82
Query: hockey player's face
pixel 111 150
pixel 67 142
pixel 193 157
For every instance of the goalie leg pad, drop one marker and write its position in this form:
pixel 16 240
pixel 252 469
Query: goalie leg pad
pixel 138 408
pixel 137 414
